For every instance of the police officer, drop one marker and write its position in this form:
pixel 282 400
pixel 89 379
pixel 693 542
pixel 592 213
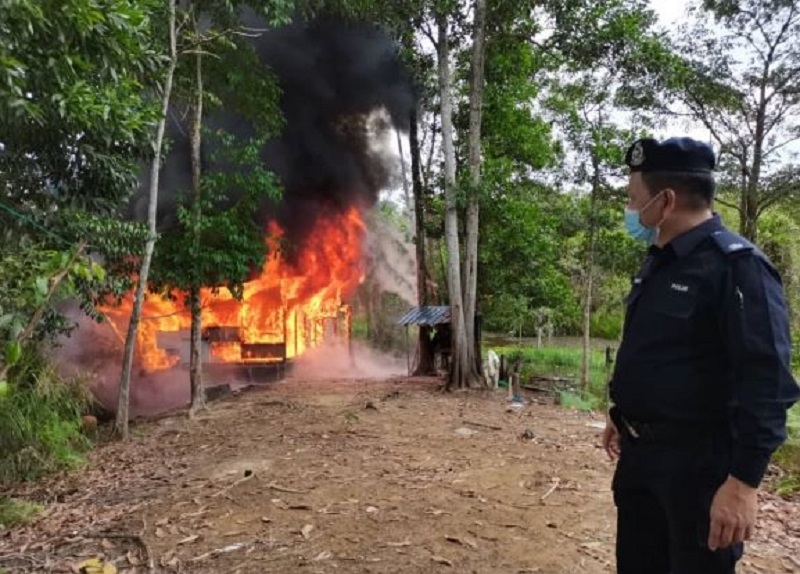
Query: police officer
pixel 702 380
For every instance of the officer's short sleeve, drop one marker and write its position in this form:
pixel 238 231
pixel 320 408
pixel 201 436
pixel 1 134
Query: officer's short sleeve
pixel 756 321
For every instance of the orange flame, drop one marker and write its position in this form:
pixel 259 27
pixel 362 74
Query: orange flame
pixel 284 311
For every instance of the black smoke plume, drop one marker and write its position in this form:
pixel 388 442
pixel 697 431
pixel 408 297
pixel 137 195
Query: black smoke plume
pixel 331 75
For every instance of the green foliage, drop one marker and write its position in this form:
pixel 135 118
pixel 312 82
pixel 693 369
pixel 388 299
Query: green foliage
pixel 562 361
pixel 75 119
pixel 15 512
pixel 519 255
pixel 576 402
pixel 40 421
pixel 607 324
pixel 28 278
pixel 231 242
pixel 788 456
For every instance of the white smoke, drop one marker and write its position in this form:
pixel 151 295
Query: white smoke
pixel 391 257
pixel 337 360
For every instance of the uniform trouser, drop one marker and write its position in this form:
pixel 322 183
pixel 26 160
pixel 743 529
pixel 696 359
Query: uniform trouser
pixel 663 495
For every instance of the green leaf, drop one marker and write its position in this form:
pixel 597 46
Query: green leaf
pixel 13 352
pixel 41 285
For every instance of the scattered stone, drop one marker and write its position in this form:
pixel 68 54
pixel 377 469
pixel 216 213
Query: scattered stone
pixel 528 434
pixel 371 406
pixel 465 432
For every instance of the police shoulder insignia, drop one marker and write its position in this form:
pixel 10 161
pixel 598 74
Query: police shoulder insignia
pixel 730 242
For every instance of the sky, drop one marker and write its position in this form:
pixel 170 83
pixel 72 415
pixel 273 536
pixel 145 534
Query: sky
pixel 670 13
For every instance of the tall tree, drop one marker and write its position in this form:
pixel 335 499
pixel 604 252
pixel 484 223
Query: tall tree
pixel 473 197
pixel 121 423
pixel 462 367
pixel 425 364
pixel 195 138
pixel 742 83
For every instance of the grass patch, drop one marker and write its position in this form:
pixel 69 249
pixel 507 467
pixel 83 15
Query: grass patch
pixel 40 423
pixel 564 362
pixel 15 512
pixel 575 401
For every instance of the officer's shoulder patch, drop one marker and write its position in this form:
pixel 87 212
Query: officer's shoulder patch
pixel 731 243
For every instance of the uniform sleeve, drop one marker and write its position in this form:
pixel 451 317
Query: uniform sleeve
pixel 757 323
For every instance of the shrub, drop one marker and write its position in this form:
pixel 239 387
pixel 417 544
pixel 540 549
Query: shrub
pixel 15 512
pixel 40 421
pixel 607 326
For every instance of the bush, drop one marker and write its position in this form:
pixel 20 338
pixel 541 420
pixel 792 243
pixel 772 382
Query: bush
pixel 584 404
pixel 17 512
pixel 607 326
pixel 40 422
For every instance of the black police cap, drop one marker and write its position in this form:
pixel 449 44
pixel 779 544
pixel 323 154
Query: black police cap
pixel 675 154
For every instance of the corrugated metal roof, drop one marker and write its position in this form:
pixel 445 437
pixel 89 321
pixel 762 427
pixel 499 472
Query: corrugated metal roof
pixel 426 316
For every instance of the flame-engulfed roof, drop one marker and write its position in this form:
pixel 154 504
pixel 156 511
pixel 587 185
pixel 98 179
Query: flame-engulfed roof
pixel 428 316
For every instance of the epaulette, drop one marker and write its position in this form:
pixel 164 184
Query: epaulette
pixel 730 243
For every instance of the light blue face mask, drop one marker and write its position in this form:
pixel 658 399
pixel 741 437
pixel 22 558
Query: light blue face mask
pixel 635 227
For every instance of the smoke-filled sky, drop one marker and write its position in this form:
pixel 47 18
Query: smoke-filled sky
pixel 328 72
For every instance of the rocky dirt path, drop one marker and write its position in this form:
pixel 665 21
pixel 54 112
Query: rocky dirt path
pixel 351 477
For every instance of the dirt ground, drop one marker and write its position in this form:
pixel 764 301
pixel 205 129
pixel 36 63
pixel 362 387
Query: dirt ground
pixel 351 477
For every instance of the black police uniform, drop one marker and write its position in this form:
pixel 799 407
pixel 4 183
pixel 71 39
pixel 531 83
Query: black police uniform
pixel 701 385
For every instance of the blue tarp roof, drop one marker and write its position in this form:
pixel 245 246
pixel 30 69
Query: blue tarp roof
pixel 428 316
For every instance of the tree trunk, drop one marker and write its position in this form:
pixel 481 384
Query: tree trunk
pixel 752 202
pixel 473 198
pixel 750 197
pixel 460 365
pixel 589 282
pixel 196 137
pixel 425 365
pixel 121 423
pixel 195 356
pixel 406 187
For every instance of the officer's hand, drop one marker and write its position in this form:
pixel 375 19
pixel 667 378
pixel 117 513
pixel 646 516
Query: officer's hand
pixel 733 514
pixel 611 440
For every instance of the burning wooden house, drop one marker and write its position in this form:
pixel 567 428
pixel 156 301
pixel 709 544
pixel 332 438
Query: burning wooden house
pixel 290 307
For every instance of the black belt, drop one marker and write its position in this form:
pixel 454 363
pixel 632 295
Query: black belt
pixel 664 431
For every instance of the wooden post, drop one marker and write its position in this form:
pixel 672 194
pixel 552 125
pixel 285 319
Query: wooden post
pixel 408 355
pixel 478 343
pixel 516 390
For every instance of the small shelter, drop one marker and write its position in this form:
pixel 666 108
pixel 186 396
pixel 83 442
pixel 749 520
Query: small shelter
pixel 437 317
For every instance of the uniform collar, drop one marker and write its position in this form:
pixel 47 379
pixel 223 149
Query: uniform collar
pixel 685 243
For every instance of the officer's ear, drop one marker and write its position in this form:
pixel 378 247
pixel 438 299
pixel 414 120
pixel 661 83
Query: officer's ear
pixel 670 199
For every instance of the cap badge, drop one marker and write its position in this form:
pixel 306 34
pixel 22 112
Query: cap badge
pixel 637 155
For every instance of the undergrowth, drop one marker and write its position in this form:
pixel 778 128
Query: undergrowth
pixel 15 512
pixel 565 363
pixel 40 422
pixel 788 456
